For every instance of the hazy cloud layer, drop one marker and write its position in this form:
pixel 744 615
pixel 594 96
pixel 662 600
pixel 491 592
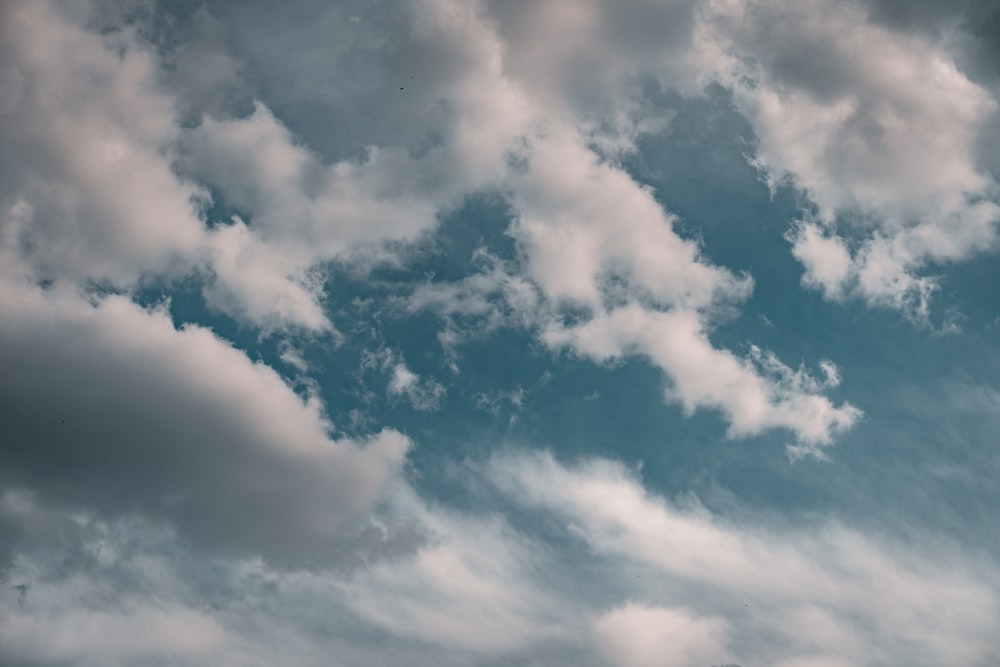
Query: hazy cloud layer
pixel 668 583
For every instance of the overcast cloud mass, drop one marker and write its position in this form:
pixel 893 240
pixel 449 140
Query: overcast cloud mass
pixel 488 332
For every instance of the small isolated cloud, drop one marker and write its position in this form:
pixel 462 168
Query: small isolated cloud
pixel 754 394
pixel 424 394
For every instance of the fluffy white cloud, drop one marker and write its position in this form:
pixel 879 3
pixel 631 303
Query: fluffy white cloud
pixel 87 190
pixel 591 236
pixel 263 283
pixel 755 394
pixel 301 213
pixel 584 222
pixel 638 635
pixel 879 127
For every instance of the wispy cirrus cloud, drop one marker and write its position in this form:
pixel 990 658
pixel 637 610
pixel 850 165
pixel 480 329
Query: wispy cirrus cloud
pixel 667 582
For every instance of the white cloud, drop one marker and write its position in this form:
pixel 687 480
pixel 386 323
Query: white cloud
pixel 88 191
pixel 825 256
pixel 304 211
pixel 879 127
pixel 432 587
pixel 582 221
pixel 590 234
pixel 423 394
pixel 464 586
pixel 471 586
pixel 754 394
pixel 261 283
pixel 638 635
pixel 782 595
pixel 664 583
pixel 137 632
pixel 139 416
pixel 592 237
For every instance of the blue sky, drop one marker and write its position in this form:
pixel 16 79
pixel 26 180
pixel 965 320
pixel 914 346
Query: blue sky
pixel 457 332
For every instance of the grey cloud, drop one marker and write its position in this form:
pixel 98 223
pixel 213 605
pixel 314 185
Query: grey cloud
pixel 970 27
pixel 119 426
pixel 87 190
pixel 111 408
pixel 334 71
pixel 666 584
pixel 879 127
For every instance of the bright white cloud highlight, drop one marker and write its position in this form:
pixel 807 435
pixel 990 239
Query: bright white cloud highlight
pixel 87 191
pixel 878 127
pixel 637 635
pixel 755 394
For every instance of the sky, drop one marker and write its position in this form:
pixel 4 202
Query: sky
pixel 611 333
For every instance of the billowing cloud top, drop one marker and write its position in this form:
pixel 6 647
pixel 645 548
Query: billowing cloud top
pixel 479 332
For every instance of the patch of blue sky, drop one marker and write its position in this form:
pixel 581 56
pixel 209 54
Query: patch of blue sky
pixel 507 390
pixel 940 462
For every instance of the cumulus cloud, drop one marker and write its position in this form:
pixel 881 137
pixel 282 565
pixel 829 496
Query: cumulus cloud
pixel 88 191
pixel 582 221
pixel 110 407
pixel 302 213
pixel 595 238
pixel 590 235
pixel 168 498
pixel 879 127
pixel 887 152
